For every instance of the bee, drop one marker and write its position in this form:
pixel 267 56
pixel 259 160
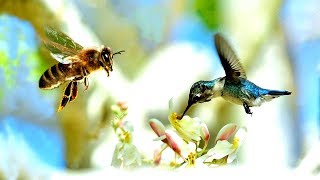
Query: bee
pixel 75 64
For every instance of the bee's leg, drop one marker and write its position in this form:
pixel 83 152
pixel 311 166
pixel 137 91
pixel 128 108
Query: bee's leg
pixel 107 70
pixel 66 96
pixel 74 91
pixel 85 76
pixel 86 83
pixel 246 108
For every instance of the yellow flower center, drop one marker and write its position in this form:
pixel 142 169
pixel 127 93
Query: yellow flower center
pixel 127 137
pixel 235 143
pixel 192 159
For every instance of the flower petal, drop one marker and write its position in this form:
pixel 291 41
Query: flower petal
pixel 188 128
pixel 220 150
pixel 131 155
pixel 160 138
pixel 232 157
pixel 171 106
pixel 175 142
pixel 241 135
pixel 238 140
pixel 226 132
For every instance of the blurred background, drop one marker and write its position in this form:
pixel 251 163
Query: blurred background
pixel 168 46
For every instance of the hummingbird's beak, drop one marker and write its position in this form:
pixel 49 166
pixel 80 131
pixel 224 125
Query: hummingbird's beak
pixel 189 105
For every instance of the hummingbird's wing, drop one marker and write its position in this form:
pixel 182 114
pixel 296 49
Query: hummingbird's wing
pixel 229 60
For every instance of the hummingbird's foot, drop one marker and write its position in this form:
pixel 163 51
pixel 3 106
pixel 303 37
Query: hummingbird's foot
pixel 247 109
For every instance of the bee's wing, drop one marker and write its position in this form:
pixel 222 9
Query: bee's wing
pixel 61 38
pixel 62 59
pixel 61 46
pixel 59 52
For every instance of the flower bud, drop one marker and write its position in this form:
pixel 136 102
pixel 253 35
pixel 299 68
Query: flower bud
pixel 122 105
pixel 226 132
pixel 158 128
pixel 157 157
pixel 175 142
pixel 205 134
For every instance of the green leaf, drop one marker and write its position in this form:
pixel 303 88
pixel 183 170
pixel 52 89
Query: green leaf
pixel 209 12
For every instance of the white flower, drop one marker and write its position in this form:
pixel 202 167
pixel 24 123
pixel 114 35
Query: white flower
pixel 189 129
pixel 184 139
pixel 225 152
pixel 187 150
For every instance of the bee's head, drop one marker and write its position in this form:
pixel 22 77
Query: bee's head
pixel 106 60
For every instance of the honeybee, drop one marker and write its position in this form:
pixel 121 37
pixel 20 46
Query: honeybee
pixel 75 64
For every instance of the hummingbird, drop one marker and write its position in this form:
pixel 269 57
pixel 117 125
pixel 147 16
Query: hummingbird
pixel 234 86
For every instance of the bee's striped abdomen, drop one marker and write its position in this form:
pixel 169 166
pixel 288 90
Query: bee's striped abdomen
pixel 53 76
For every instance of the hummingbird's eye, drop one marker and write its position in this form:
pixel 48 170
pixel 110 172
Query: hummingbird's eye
pixel 197 97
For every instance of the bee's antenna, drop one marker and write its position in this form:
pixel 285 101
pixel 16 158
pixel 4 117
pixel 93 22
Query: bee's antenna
pixel 119 52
